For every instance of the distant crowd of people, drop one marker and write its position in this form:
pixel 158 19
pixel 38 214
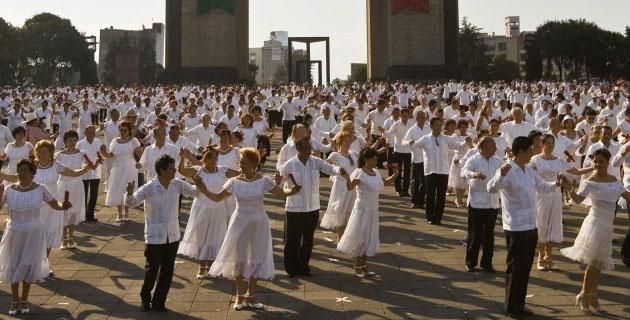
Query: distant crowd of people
pixel 520 149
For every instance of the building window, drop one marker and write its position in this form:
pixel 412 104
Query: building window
pixel 502 46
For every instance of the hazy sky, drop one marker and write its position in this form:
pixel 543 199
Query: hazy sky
pixel 342 20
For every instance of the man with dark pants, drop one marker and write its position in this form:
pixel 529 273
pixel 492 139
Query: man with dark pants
pixel 402 151
pixel 421 129
pixel 302 208
pixel 517 183
pixel 436 167
pixel 290 112
pixel 483 206
pixel 161 231
pixel 90 146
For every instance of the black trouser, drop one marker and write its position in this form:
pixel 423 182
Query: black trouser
pixel 90 188
pixel 404 165
pixel 390 162
pixel 418 192
pixel 287 126
pixel 275 118
pixel 436 195
pixel 102 115
pixel 299 229
pixel 160 258
pixel 521 248
pixel 481 224
pixel 94 118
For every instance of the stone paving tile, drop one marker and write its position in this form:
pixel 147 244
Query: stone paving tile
pixel 420 275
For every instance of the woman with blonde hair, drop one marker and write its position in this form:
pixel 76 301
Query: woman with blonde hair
pixel 247 251
pixel 341 199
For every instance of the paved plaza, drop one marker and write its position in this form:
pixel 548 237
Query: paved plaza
pixel 420 275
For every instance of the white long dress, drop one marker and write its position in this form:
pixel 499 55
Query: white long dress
pixel 15 154
pixel 455 179
pixel 207 222
pixel 247 249
pixel 123 171
pixel 230 160
pixel 549 204
pixel 593 244
pixel 23 245
pixel 361 237
pixel 341 199
pixel 74 186
pixel 53 219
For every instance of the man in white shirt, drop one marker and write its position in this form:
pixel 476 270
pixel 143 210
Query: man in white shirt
pixel 161 230
pixel 483 206
pixel 202 132
pixel 230 118
pixel 90 146
pixel 435 147
pixel 325 123
pixel 517 183
pixel 302 208
pixel 155 151
pixel 290 112
pixel 402 151
pixel 421 129
pixel 44 114
pixel 516 127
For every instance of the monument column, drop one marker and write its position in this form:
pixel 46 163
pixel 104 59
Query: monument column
pixel 207 40
pixel 412 39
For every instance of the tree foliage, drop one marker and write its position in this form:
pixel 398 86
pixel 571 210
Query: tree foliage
pixel 252 71
pixel 9 53
pixel 149 71
pixel 473 63
pixel 504 69
pixel 52 49
pixel 578 49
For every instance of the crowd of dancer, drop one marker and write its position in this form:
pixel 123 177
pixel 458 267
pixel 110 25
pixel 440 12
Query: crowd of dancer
pixel 522 149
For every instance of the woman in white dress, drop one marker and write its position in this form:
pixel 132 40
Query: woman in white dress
pixel 246 252
pixel 48 172
pixel 124 168
pixel 72 158
pixel 593 244
pixel 264 135
pixel 17 150
pixel 455 180
pixel 361 237
pixel 247 131
pixel 341 199
pixel 229 157
pixel 23 246
pixel 208 219
pixel 549 204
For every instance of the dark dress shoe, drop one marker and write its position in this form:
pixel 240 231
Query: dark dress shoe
pixel 92 220
pixel 291 275
pixel 489 269
pixel 405 195
pixel 306 274
pixel 160 309
pixel 470 269
pixel 145 307
pixel 526 313
pixel 514 315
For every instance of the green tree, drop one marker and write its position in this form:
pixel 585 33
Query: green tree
pixel 9 53
pixel 473 63
pixel 146 59
pixel 504 69
pixel 281 75
pixel 53 48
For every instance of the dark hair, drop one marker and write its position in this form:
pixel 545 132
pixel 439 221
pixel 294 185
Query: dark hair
pixel 548 136
pixel 599 152
pixel 534 134
pixel 31 166
pixel 434 120
pixel 70 134
pixel 163 163
pixel 589 111
pixel 521 144
pixel 17 130
pixel 366 153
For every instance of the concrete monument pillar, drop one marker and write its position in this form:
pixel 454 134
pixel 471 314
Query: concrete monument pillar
pixel 207 40
pixel 412 39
